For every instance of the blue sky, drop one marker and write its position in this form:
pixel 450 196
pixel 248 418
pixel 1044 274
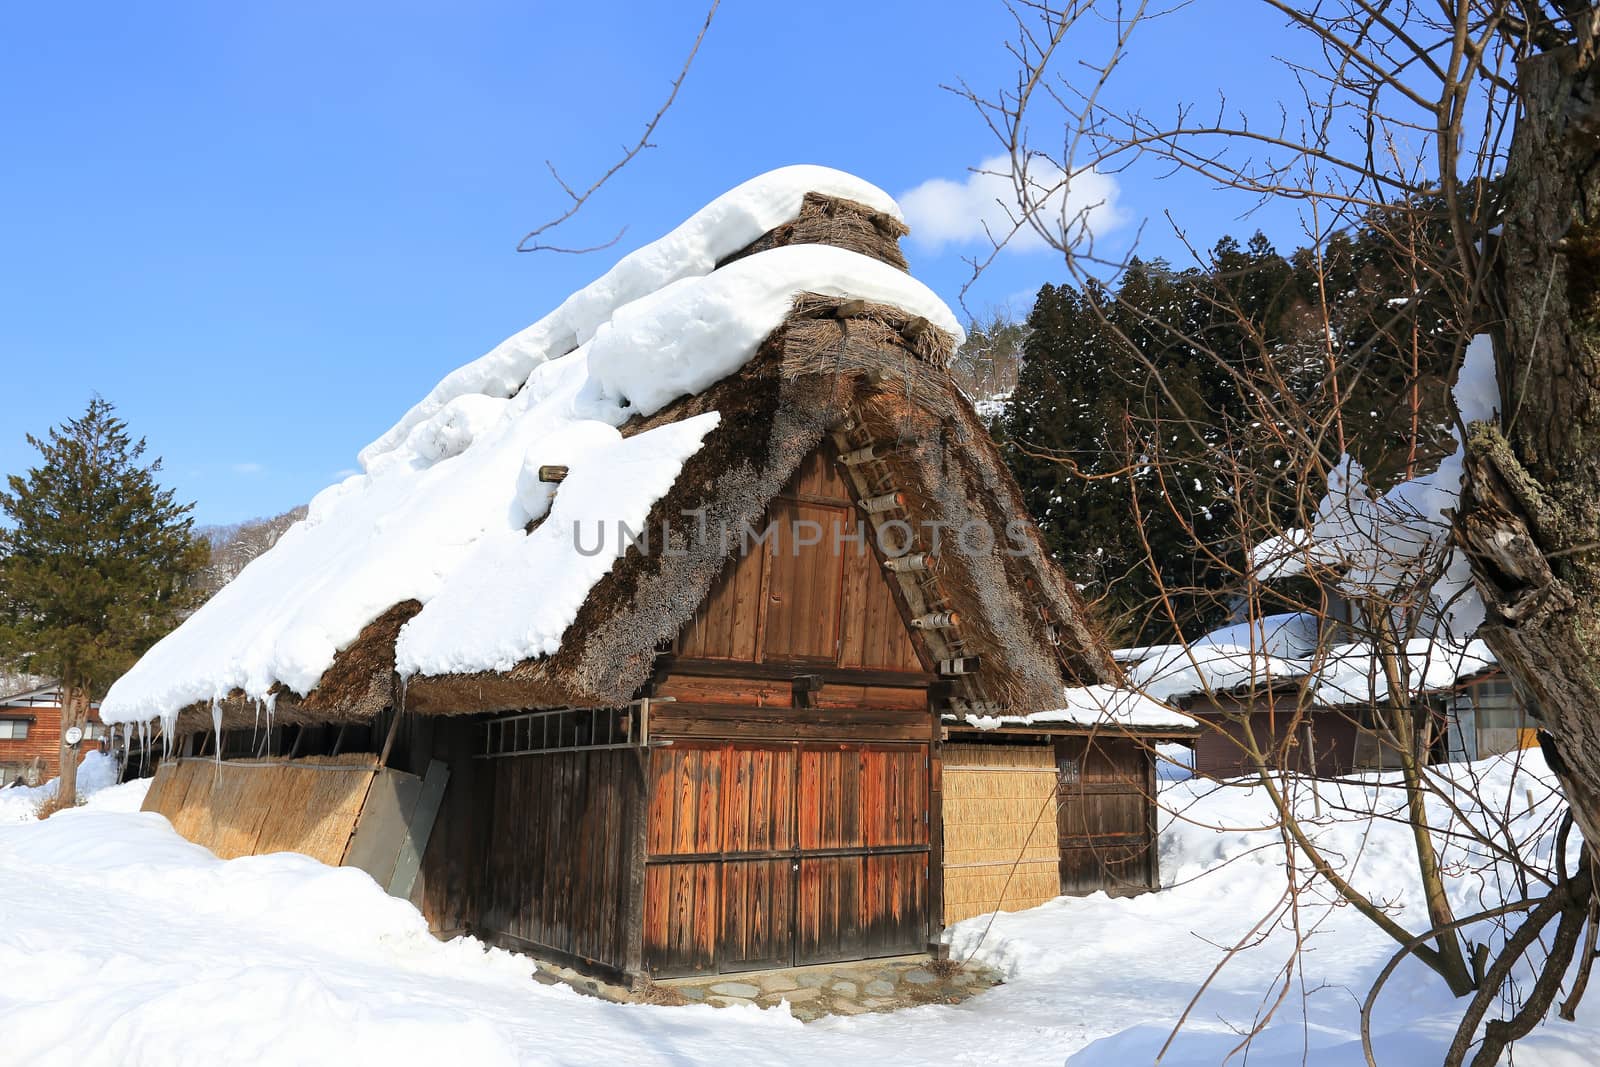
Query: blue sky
pixel 265 230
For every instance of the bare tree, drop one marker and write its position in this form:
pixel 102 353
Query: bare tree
pixel 535 240
pixel 986 366
pixel 1483 115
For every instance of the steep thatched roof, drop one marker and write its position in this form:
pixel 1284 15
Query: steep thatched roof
pixel 837 369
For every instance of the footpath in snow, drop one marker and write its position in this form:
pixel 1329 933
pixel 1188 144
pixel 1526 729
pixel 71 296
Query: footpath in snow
pixel 121 943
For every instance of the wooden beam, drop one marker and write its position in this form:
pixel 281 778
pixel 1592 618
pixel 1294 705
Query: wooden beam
pixel 552 472
pixel 722 668
pixel 637 808
pixel 959 665
pixel 883 502
pixel 806 688
pixel 914 563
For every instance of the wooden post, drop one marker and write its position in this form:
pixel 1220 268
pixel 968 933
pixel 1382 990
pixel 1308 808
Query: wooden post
pixel 936 699
pixel 388 741
pixel 74 704
pixel 1153 814
pixel 633 969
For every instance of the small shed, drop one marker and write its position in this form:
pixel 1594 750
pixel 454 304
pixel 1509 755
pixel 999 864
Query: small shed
pixel 652 621
pixel 1056 802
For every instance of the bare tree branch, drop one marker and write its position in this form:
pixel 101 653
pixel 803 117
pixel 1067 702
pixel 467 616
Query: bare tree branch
pixel 531 243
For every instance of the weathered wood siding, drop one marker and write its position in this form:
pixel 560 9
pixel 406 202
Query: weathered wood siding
pixel 793 817
pixel 1106 816
pixel 826 603
pixel 450 883
pixel 559 857
pixel 43 741
pixel 1319 741
pixel 783 853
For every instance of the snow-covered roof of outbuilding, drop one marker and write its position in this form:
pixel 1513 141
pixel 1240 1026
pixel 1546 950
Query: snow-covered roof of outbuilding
pixel 1284 649
pixel 697 373
pixel 1094 707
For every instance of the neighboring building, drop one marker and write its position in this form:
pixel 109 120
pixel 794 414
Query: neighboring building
pixel 1309 701
pixel 696 753
pixel 1488 717
pixel 30 735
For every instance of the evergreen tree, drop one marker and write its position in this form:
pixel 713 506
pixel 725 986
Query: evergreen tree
pixel 96 562
pixel 1095 441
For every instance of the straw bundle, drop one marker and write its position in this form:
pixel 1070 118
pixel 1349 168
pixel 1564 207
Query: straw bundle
pixel 999 828
pixel 249 808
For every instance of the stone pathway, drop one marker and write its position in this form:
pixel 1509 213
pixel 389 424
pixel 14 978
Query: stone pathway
pixel 835 988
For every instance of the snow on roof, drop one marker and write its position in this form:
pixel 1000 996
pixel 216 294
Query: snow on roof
pixel 1283 648
pixel 25 686
pixel 1096 705
pixel 441 513
pixel 1382 541
pixel 727 224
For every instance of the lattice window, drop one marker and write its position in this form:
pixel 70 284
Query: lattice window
pixel 564 730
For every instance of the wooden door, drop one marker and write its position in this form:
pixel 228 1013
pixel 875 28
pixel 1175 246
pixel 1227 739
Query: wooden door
pixel 763 855
pixel 804 575
pixel 1106 816
pixel 863 851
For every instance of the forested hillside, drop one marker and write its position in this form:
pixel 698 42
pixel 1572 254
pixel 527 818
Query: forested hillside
pixel 235 545
pixel 1128 475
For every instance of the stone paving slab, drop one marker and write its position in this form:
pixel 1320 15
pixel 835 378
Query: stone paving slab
pixel 836 989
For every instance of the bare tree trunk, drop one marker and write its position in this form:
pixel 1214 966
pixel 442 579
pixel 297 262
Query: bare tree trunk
pixel 1531 518
pixel 74 712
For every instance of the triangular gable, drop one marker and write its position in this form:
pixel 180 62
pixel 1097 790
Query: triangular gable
pixel 806 586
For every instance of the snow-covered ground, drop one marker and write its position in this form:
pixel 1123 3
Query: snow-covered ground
pixel 21 803
pixel 121 943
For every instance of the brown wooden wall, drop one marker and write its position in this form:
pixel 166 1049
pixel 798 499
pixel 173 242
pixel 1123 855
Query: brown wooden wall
pixel 787 814
pixel 780 854
pixel 559 863
pixel 451 879
pixel 43 742
pixel 793 817
pixel 1330 733
pixel 782 602
pixel 1106 816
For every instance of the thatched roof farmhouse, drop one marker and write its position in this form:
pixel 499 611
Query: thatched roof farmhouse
pixel 640 641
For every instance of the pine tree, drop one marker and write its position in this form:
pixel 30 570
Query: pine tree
pixel 96 562
pixel 1354 327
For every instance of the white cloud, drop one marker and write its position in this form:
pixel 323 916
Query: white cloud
pixel 248 468
pixel 985 206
